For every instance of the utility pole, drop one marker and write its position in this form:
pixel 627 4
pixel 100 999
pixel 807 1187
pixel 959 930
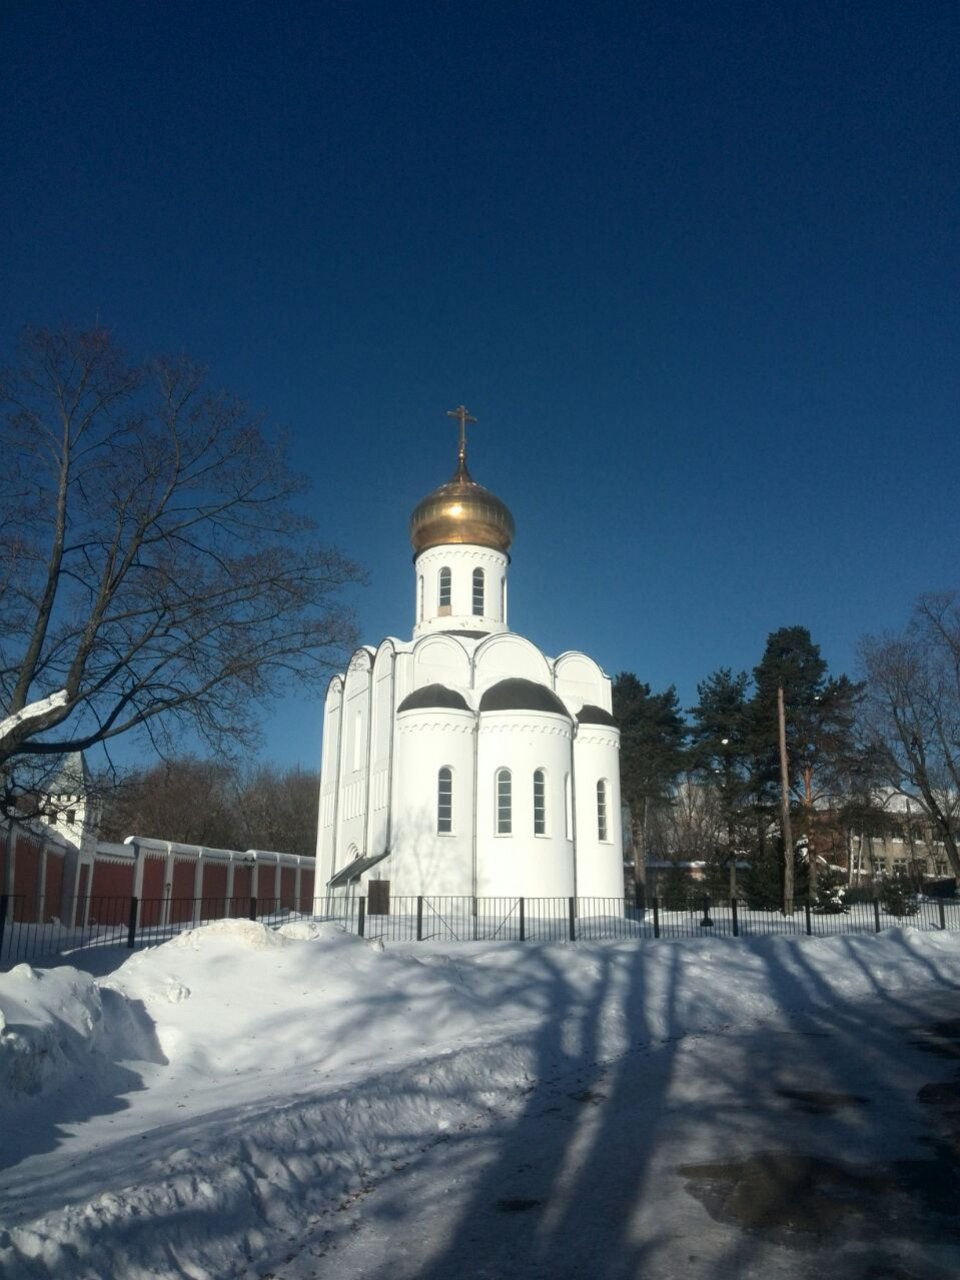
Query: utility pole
pixel 785 809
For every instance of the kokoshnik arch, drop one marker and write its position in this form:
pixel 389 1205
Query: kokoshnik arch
pixel 463 760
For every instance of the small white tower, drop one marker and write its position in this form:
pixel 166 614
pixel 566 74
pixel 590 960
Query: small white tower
pixel 461 534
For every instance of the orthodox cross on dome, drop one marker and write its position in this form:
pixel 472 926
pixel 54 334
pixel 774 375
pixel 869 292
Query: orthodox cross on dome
pixel 463 417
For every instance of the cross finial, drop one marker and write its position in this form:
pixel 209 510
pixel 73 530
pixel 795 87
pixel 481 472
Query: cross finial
pixel 463 417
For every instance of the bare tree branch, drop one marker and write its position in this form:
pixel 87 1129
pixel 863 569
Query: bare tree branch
pixel 156 568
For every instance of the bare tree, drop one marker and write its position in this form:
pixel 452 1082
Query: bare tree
pixel 278 809
pixel 215 803
pixel 912 713
pixel 156 571
pixel 184 799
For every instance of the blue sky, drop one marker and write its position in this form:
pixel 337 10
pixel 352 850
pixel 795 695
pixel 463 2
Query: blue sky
pixel 694 267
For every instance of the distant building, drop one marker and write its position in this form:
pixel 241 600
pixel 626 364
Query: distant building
pixel 901 841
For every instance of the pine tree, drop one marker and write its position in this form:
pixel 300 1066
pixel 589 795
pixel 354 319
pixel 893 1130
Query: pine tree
pixel 720 755
pixel 820 713
pixel 652 734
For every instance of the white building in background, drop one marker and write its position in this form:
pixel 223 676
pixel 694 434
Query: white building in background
pixel 463 760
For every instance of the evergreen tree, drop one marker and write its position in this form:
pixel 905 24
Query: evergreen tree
pixel 652 734
pixel 720 755
pixel 819 713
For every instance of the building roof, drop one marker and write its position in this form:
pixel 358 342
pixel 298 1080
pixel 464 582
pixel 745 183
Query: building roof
pixel 355 869
pixel 516 694
pixel 461 511
pixel 433 696
pixel 72 778
pixel 589 714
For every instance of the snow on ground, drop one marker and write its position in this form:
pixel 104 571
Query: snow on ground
pixel 210 1107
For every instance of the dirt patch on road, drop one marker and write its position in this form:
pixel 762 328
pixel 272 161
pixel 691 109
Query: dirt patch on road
pixel 800 1198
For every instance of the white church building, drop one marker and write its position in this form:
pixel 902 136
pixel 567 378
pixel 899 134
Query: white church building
pixel 464 760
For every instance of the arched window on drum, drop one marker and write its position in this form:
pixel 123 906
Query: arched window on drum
pixel 539 802
pixel 445 801
pixel 603 810
pixel 504 802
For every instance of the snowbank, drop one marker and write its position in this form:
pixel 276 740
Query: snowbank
pixel 220 1093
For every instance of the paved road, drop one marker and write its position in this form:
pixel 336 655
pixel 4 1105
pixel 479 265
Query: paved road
pixel 825 1148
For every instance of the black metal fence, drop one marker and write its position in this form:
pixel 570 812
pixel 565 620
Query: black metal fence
pixel 466 919
pixel 127 922
pixel 28 933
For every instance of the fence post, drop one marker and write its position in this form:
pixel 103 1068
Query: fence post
pixel 943 917
pixel 4 902
pixel 523 921
pixel 571 912
pixel 733 914
pixel 132 922
pixel 253 908
pixel 706 922
pixel 806 912
pixel 656 917
pixel 361 915
pixel 420 918
pixel 876 914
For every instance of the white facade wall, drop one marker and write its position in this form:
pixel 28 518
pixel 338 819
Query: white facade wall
pixel 501 657
pixel 459 615
pixel 523 864
pixel 596 756
pixel 383 708
pixel 579 681
pixel 422 860
pixel 329 779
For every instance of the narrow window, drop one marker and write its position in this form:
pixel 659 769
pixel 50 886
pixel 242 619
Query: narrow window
pixel 478 593
pixel 420 598
pixel 443 600
pixel 504 803
pixel 602 809
pixel 503 599
pixel 357 739
pixel 445 802
pixel 568 806
pixel 539 803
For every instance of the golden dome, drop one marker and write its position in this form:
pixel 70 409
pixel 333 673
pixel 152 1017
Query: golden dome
pixel 461 511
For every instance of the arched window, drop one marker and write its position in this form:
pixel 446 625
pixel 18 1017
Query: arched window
pixel 602 806
pixel 568 806
pixel 478 593
pixel 420 598
pixel 504 802
pixel 443 596
pixel 445 801
pixel 539 803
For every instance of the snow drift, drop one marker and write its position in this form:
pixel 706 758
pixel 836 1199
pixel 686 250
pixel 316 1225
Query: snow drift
pixel 216 1096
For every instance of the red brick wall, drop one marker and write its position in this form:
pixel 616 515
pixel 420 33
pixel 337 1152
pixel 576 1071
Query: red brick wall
pixel 54 885
pixel 181 908
pixel 288 887
pixel 153 868
pixel 214 890
pixel 26 879
pixel 110 892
